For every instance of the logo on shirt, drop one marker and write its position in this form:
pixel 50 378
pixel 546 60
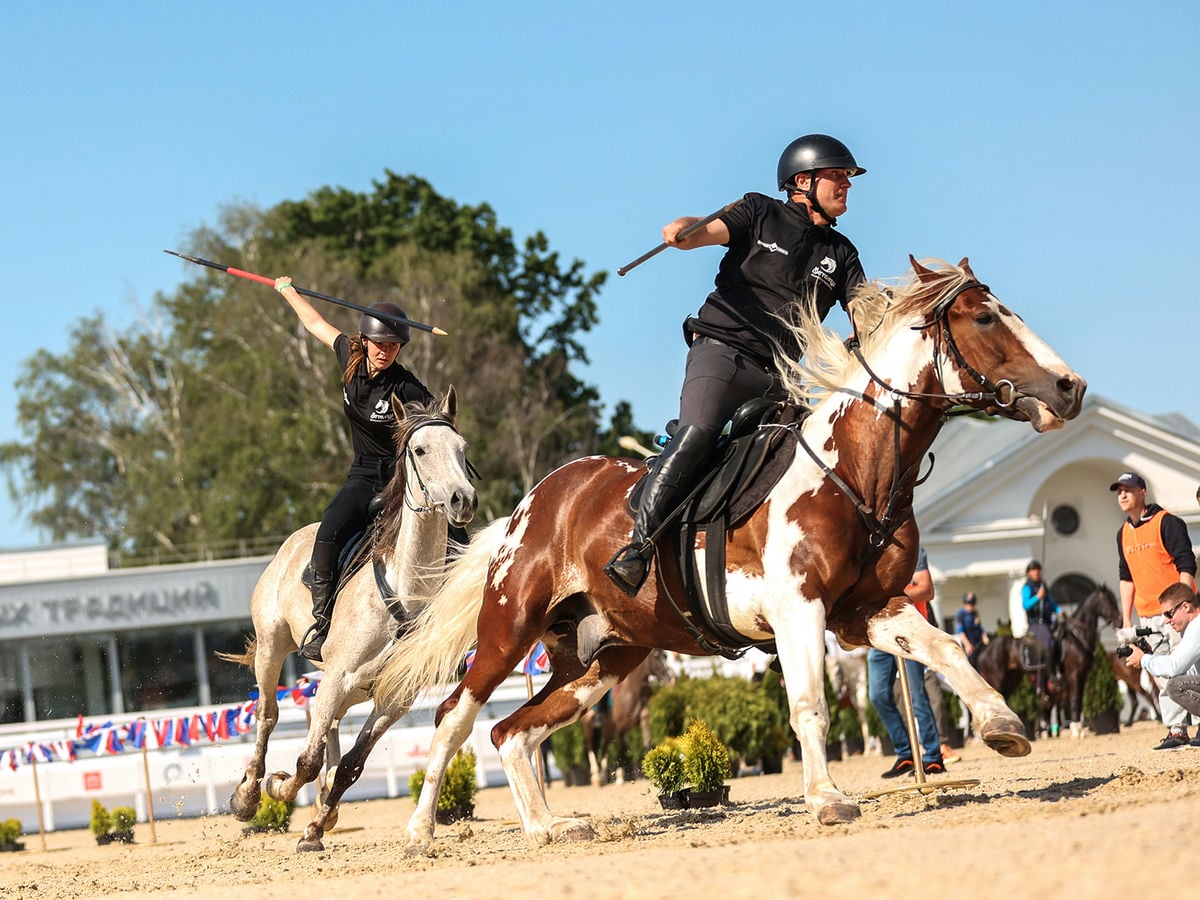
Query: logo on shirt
pixel 382 412
pixel 823 271
pixel 772 247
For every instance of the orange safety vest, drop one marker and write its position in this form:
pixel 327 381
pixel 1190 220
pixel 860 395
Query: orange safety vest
pixel 1150 565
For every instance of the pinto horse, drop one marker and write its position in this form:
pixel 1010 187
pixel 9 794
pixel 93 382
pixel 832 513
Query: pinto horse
pixel 429 490
pixel 629 708
pixel 1001 665
pixel 833 545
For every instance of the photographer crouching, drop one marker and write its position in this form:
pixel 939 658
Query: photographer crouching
pixel 1181 667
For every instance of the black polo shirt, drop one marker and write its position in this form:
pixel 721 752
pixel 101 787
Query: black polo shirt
pixel 776 257
pixel 368 402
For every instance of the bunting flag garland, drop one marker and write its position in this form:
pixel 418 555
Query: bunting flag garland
pixel 537 660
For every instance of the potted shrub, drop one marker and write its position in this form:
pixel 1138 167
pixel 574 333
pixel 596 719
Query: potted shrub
pixel 123 819
pixel 101 823
pixel 705 765
pixel 1101 697
pixel 663 767
pixel 271 816
pixel 10 830
pixel 456 798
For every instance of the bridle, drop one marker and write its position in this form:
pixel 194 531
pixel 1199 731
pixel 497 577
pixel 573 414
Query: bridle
pixel 882 528
pixel 430 505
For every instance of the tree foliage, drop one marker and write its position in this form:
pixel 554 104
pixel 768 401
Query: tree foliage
pixel 215 417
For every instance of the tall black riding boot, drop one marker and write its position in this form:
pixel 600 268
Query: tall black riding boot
pixel 324 562
pixel 669 482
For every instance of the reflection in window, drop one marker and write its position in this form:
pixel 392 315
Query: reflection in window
pixel 158 669
pixel 229 682
pixel 70 677
pixel 12 706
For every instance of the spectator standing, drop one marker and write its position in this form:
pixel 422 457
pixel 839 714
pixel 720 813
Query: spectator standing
pixel 1154 551
pixel 882 670
pixel 969 628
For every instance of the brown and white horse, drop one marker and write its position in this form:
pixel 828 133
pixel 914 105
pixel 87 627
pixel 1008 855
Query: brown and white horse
pixel 430 488
pixel 832 546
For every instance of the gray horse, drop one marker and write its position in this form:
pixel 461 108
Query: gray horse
pixel 429 491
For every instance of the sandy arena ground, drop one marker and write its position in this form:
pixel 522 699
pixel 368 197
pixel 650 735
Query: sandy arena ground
pixel 1075 816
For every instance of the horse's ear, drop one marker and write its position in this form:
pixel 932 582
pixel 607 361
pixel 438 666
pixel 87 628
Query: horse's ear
pixel 965 265
pixel 450 404
pixel 922 273
pixel 398 408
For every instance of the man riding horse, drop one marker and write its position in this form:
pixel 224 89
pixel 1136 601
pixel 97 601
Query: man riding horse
pixel 778 251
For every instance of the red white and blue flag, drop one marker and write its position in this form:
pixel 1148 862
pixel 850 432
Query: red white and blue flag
pixel 537 660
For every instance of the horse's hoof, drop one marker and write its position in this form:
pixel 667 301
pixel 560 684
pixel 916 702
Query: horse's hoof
pixel 838 813
pixel 243 808
pixel 271 785
pixel 1006 737
pixel 309 845
pixel 571 830
pixel 416 849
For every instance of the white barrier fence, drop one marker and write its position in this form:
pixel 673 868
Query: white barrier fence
pixel 198 780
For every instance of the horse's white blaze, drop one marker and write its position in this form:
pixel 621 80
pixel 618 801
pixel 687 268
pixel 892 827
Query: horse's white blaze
pixel 1041 352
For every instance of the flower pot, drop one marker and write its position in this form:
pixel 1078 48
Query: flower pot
pixel 13 847
pixel 673 800
pixel 1105 722
pixel 699 799
pixel 455 814
pixel 772 765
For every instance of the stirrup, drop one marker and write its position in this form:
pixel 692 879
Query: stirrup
pixel 313 642
pixel 628 569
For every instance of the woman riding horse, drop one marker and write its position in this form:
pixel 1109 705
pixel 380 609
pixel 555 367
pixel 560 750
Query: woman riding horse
pixel 371 378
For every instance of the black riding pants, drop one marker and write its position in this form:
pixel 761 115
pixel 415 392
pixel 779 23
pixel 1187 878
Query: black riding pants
pixel 717 380
pixel 346 514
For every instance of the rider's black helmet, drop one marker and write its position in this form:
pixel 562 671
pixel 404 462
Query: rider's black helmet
pixel 382 331
pixel 814 151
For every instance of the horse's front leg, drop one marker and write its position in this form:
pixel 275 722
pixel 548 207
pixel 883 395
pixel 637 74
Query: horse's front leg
pixel 457 717
pixel 343 774
pixel 325 709
pixel 800 640
pixel 246 795
pixel 902 631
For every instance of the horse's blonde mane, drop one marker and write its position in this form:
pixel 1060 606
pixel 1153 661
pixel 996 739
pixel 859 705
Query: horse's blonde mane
pixel 877 311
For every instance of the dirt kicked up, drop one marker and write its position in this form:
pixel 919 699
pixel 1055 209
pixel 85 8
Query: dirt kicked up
pixel 1083 817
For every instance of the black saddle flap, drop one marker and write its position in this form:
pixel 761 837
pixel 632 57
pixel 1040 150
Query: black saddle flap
pixel 749 465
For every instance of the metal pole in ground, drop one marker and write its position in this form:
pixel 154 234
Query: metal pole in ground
pixel 910 723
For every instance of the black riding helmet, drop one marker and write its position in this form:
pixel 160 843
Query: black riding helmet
pixel 811 152
pixel 382 331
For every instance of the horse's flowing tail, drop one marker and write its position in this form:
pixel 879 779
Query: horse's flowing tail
pixel 242 659
pixel 433 649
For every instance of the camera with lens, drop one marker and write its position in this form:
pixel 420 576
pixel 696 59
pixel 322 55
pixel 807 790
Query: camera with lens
pixel 1139 641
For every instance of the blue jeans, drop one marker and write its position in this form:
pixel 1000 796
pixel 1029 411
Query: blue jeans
pixel 881 673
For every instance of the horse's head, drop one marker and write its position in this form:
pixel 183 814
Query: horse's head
pixel 1105 603
pixel 434 457
pixel 992 357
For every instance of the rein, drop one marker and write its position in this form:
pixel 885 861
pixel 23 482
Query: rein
pixel 882 528
pixel 430 506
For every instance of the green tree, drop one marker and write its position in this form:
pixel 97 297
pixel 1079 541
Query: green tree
pixel 215 417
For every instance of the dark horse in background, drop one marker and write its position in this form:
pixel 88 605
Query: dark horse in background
pixel 628 708
pixel 1002 666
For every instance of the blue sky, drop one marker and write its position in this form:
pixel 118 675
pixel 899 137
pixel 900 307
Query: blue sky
pixel 1052 143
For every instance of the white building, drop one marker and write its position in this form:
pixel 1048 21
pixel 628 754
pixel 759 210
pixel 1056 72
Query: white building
pixel 1001 494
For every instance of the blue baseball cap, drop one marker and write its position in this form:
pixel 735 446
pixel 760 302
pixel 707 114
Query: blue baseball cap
pixel 1129 480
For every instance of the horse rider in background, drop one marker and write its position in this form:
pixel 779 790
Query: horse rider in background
pixel 1042 613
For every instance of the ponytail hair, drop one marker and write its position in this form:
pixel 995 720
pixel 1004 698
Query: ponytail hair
pixel 357 354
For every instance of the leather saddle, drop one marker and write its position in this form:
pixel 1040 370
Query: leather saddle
pixel 750 461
